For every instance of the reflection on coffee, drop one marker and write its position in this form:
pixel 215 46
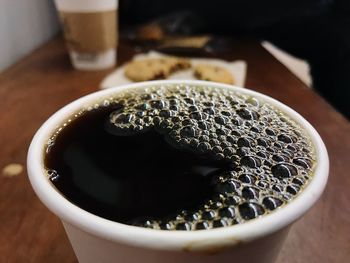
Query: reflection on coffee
pixel 179 157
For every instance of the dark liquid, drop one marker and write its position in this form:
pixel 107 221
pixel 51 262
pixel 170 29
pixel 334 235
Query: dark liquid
pixel 123 178
pixel 180 158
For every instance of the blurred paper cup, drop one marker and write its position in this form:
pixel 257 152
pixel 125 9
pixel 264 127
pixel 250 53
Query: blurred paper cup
pixel 90 31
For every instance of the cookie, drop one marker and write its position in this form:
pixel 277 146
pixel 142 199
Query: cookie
pixel 213 73
pixel 147 69
pixel 154 68
pixel 176 64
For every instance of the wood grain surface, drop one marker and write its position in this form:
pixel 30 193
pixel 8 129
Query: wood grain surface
pixel 44 81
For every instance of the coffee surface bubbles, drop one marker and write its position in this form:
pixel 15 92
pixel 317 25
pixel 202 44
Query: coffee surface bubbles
pixel 180 157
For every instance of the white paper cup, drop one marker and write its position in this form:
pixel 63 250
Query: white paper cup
pixel 95 239
pixel 90 30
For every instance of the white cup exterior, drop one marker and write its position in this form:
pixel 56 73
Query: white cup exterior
pixel 86 5
pixel 95 239
pixel 101 60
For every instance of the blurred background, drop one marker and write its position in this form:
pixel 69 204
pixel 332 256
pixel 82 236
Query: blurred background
pixel 25 25
pixel 310 37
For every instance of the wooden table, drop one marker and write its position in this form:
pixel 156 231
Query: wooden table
pixel 44 81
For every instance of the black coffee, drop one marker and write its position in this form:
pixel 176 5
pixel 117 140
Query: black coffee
pixel 180 157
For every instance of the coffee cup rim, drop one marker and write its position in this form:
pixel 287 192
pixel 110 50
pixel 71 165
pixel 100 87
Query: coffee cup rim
pixel 161 239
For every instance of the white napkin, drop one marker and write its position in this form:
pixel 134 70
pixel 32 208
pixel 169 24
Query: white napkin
pixel 237 68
